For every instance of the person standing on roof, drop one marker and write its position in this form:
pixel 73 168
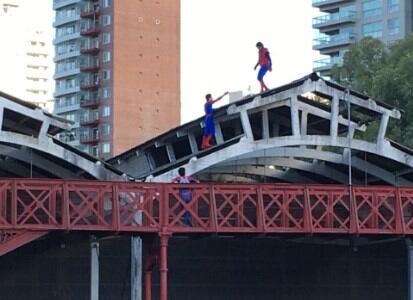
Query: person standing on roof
pixel 209 127
pixel 264 61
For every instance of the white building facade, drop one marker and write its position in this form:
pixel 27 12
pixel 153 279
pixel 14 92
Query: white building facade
pixel 27 60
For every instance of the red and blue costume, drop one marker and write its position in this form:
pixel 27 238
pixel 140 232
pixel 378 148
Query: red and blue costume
pixel 264 61
pixel 209 127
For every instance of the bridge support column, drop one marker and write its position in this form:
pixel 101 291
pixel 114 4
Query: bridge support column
pixel 136 268
pixel 295 120
pixel 149 263
pixel 148 284
pixel 163 264
pixel 94 268
pixel 409 245
pixel 382 130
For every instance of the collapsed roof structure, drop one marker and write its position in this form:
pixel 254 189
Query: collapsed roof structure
pixel 300 132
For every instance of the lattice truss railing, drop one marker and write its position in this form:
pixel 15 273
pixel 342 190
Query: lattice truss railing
pixel 152 207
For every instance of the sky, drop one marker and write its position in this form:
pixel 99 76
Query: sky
pixel 16 34
pixel 218 50
pixel 218 40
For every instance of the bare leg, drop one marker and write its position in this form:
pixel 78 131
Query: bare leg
pixel 263 86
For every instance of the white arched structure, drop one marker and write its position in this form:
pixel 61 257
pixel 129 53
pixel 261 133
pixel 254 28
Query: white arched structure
pixel 28 147
pixel 299 132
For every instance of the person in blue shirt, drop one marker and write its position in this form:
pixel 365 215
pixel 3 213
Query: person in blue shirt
pixel 209 127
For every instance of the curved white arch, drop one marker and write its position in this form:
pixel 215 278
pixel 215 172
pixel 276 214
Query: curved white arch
pixel 284 146
pixel 255 166
pixel 45 144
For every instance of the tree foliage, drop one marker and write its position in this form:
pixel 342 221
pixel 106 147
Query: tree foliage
pixel 385 73
pixel 362 62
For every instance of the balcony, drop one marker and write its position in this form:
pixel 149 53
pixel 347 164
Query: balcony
pixel 324 65
pixel 65 38
pixel 90 138
pixel 92 31
pixel 60 91
pixel 62 3
pixel 65 19
pixel 90 85
pixel 66 55
pixel 91 12
pixel 90 120
pixel 334 41
pixel 90 103
pixel 323 3
pixel 334 19
pixel 65 73
pixel 92 67
pixel 91 49
pixel 64 108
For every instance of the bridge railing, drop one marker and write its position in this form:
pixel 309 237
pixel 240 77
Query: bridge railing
pixel 211 208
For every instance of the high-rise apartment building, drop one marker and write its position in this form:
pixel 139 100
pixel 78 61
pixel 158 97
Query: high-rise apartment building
pixel 347 21
pixel 26 54
pixel 117 71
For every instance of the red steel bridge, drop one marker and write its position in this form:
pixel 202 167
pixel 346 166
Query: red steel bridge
pixel 44 205
pixel 32 208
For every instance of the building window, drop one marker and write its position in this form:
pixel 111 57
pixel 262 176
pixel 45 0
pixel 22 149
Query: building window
pixel 106 74
pixel 106 111
pixel 106 56
pixel 105 129
pixel 106 93
pixel 95 151
pixel 70 117
pixel 105 20
pixel 66 48
pixel 59 102
pixel 62 31
pixel 372 8
pixel 393 26
pixel 106 37
pixel 107 3
pixel 66 66
pixel 393 5
pixel 60 84
pixel 374 30
pixel 66 83
pixel 106 148
pixel 66 13
pixel 66 101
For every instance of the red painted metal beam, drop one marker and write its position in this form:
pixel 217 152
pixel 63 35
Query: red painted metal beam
pixel 163 264
pixel 149 259
pixel 44 205
pixel 13 239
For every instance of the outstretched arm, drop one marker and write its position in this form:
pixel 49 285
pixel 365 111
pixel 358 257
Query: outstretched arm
pixel 219 98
